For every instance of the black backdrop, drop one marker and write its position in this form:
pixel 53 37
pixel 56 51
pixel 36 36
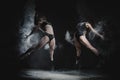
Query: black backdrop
pixel 64 12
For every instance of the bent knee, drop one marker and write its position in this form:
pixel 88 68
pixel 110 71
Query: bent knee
pixel 52 47
pixel 82 37
pixel 46 38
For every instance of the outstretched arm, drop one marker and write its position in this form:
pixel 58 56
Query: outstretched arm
pixel 94 31
pixel 33 30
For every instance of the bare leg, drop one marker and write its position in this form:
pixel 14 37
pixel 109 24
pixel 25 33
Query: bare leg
pixel 27 53
pixel 52 47
pixel 42 42
pixel 78 49
pixel 85 42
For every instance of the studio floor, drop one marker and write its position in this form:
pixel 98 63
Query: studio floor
pixel 36 74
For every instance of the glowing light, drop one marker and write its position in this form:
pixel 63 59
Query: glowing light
pixel 57 75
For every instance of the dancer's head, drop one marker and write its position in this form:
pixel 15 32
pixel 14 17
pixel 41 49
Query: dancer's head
pixel 86 19
pixel 40 18
pixel 82 19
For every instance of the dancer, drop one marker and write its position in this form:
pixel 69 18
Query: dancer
pixel 48 37
pixel 81 39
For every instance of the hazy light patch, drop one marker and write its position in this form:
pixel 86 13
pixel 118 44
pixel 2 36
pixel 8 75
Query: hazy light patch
pixel 46 47
pixel 56 75
pixel 26 26
pixel 99 28
pixel 68 38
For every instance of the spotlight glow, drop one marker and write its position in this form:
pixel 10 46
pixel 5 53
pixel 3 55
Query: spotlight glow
pixel 58 75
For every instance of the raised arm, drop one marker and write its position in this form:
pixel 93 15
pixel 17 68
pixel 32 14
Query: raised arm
pixel 49 29
pixel 88 25
pixel 33 30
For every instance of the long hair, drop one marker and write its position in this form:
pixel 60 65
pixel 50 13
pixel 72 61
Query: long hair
pixel 38 17
pixel 85 19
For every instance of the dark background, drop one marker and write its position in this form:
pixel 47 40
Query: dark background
pixel 64 13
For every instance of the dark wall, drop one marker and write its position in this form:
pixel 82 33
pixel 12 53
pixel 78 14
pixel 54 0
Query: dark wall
pixel 62 14
pixel 12 12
